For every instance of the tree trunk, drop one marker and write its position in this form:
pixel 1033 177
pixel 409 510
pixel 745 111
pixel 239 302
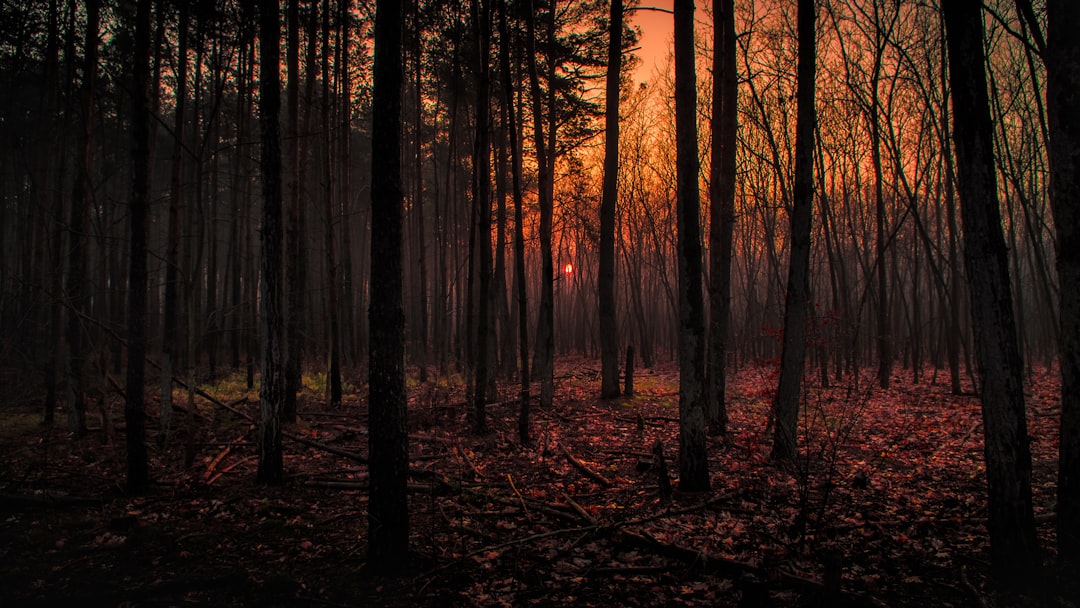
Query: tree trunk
pixel 519 230
pixel 135 405
pixel 1063 108
pixel 271 300
pixel 388 515
pixel 721 211
pixel 693 460
pixel 609 340
pixel 545 333
pixel 796 309
pixel 482 193
pixel 293 239
pixel 333 357
pixel 170 336
pixel 80 223
pixel 1013 545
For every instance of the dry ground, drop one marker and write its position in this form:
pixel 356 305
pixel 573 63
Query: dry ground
pixel 888 495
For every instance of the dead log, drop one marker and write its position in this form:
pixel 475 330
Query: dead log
pixel 593 475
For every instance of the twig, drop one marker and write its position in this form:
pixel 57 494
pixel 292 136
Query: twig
pixel 598 478
pixel 578 509
pixel 513 487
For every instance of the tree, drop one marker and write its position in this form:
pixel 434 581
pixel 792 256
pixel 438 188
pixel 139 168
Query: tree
pixel 135 405
pixel 482 204
pixel 171 336
pixel 388 514
pixel 519 230
pixel 797 302
pixel 1063 113
pixel 693 460
pixel 80 222
pixel 609 342
pixel 1013 545
pixel 721 210
pixel 545 332
pixel 294 241
pixel 272 387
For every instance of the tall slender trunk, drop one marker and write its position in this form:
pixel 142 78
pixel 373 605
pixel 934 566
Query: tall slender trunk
pixel 293 238
pixel 519 231
pixel 1014 548
pixel 609 340
pixel 333 357
pixel 1063 109
pixel 170 336
pixel 722 211
pixel 693 460
pixel 80 224
pixel 271 300
pixel 138 476
pixel 797 302
pixel 482 192
pixel 543 362
pixel 388 514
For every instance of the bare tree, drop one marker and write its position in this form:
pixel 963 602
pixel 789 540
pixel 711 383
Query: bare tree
pixel 1013 546
pixel 135 405
pixel 609 341
pixel 721 210
pixel 1063 113
pixel 693 460
pixel 388 513
pixel 797 304
pixel 271 300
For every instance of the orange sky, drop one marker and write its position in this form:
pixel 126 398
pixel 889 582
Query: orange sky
pixel 655 42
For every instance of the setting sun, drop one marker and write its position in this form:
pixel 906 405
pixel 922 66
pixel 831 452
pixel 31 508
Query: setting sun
pixel 568 269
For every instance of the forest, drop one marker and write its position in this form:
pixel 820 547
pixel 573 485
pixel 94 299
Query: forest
pixel 492 303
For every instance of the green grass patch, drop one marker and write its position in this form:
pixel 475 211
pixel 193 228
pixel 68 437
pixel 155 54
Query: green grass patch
pixel 14 424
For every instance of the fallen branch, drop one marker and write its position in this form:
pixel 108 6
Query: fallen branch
pixel 593 475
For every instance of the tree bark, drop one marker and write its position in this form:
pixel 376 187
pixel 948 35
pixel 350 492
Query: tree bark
pixel 135 404
pixel 170 335
pixel 609 340
pixel 293 239
pixel 482 192
pixel 80 224
pixel 693 460
pixel 1013 546
pixel 797 302
pixel 545 332
pixel 271 300
pixel 1063 108
pixel 721 210
pixel 519 230
pixel 388 515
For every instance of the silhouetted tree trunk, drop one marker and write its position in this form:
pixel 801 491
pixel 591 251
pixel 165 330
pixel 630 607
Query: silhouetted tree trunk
pixel 171 337
pixel 609 340
pixel 519 230
pixel 693 460
pixel 293 260
pixel 388 515
pixel 952 329
pixel 543 362
pixel 796 306
pixel 271 299
pixel 1063 108
pixel 1013 546
pixel 482 192
pixel 722 210
pixel 80 224
pixel 135 406
pixel 333 360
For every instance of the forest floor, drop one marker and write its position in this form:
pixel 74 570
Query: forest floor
pixel 887 498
